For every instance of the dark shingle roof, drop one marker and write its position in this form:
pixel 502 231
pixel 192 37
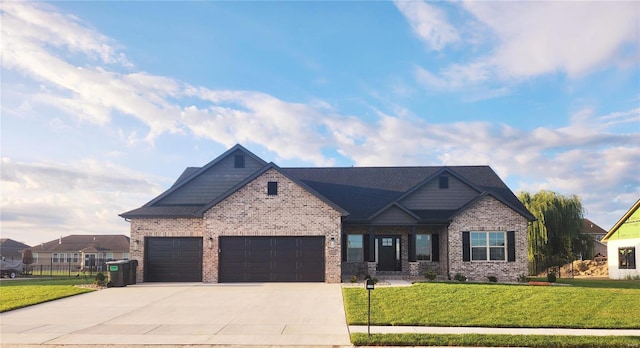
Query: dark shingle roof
pixel 10 249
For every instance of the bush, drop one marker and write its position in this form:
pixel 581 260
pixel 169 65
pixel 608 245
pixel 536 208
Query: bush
pixel 582 266
pixel 430 275
pixel 523 278
pixel 354 279
pixel 100 279
pixel 460 277
pixel 551 277
pixel 492 279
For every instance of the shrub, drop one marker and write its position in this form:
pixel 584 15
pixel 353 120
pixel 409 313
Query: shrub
pixel 523 278
pixel 460 277
pixel 551 277
pixel 354 279
pixel 492 279
pixel 582 266
pixel 100 279
pixel 430 275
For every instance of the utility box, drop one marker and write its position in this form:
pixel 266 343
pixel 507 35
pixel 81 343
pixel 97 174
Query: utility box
pixel 133 266
pixel 118 273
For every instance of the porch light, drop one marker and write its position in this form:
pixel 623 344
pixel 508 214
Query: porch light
pixel 136 244
pixel 210 242
pixel 332 242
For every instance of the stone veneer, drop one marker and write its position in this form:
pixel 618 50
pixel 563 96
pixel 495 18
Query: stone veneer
pixel 177 227
pixel 488 214
pixel 294 211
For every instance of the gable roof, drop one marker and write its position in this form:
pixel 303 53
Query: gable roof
pixel 10 249
pixel 80 242
pixel 622 220
pixel 359 193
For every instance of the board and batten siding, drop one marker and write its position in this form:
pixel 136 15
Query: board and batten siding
pixel 393 215
pixel 430 196
pixel 214 182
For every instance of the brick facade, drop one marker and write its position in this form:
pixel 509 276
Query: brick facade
pixel 294 211
pixel 488 214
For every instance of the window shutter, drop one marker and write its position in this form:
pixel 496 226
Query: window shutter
pixel 511 246
pixel 466 246
pixel 365 246
pixel 412 246
pixel 344 247
pixel 435 247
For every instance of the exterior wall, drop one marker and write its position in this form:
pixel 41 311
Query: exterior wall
pixel 488 214
pixel 430 196
pixel 409 269
pixel 140 228
pixel 292 212
pixel 612 249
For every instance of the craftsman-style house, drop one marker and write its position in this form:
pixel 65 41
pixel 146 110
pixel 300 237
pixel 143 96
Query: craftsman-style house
pixel 240 219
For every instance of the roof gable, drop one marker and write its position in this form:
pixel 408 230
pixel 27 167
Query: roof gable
pixel 394 214
pixel 429 196
pixel 628 226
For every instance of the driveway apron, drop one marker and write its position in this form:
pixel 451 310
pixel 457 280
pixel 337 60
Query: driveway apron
pixel 183 314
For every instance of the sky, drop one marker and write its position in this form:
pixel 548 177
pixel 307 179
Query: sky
pixel 104 104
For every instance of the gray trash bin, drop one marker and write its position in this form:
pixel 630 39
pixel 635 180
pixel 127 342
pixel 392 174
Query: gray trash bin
pixel 118 273
pixel 133 265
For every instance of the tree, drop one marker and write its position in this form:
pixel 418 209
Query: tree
pixel 27 257
pixel 555 238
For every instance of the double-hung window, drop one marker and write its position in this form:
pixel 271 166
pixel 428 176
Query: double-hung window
pixel 488 246
pixel 423 247
pixel 355 250
pixel 627 258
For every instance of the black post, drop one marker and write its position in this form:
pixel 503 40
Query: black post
pixel 369 315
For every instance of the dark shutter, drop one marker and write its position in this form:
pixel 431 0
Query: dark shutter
pixel 466 246
pixel 435 247
pixel 511 246
pixel 365 246
pixel 412 245
pixel 344 243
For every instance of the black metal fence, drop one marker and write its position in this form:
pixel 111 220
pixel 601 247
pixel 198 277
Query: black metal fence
pixel 69 270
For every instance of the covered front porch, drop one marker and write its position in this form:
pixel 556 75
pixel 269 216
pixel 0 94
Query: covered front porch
pixel 394 251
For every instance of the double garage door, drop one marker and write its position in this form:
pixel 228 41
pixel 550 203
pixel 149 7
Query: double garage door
pixel 241 259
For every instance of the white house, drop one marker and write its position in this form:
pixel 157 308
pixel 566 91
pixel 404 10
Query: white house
pixel 623 245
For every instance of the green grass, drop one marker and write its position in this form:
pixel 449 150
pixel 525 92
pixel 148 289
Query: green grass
pixel 477 340
pixel 596 283
pixel 497 305
pixel 16 294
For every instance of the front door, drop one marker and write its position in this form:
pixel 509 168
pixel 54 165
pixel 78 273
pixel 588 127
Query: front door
pixel 388 253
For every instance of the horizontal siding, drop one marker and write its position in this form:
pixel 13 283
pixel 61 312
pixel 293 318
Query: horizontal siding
pixel 214 182
pixel 430 196
pixel 394 215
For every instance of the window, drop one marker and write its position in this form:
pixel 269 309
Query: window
pixel 272 188
pixel 69 257
pixel 355 251
pixel 54 258
pixel 489 246
pixel 125 256
pixel 75 258
pixel 627 258
pixel 109 256
pixel 238 161
pixel 423 247
pixel 35 257
pixel 443 182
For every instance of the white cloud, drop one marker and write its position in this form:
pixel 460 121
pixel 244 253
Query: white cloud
pixel 544 37
pixel 42 200
pixel 429 23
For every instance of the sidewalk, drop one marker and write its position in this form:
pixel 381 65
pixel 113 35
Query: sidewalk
pixel 492 331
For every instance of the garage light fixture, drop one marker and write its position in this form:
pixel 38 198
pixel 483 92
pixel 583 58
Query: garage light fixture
pixel 332 242
pixel 210 242
pixel 135 245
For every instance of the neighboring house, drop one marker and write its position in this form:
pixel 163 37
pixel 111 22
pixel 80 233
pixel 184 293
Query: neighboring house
pixel 240 219
pixel 11 250
pixel 79 251
pixel 623 244
pixel 597 233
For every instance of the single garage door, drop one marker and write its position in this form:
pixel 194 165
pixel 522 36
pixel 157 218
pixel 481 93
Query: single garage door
pixel 271 259
pixel 175 259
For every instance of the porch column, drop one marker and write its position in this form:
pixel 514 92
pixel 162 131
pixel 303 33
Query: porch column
pixel 371 262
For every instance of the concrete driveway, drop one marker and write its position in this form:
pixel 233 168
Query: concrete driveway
pixel 289 314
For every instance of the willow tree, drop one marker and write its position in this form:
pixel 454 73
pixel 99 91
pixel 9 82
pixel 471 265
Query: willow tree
pixel 555 236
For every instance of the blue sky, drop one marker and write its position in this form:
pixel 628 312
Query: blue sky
pixel 105 103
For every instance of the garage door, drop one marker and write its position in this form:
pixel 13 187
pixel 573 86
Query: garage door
pixel 271 259
pixel 176 259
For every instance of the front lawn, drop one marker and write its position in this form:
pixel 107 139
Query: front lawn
pixel 21 293
pixel 475 340
pixel 496 305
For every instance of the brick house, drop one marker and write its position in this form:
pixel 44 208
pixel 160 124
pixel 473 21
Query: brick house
pixel 240 219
